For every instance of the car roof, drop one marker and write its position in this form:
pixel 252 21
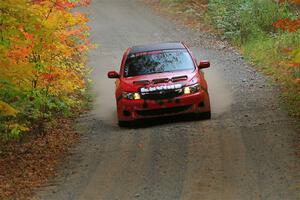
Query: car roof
pixel 156 47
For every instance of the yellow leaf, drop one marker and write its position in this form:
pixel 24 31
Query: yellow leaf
pixel 296 53
pixel 17 126
pixel 7 110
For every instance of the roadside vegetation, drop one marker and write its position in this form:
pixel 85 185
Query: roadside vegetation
pixel 43 85
pixel 267 32
pixel 43 46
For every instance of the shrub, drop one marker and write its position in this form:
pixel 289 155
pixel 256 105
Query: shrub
pixel 43 46
pixel 241 19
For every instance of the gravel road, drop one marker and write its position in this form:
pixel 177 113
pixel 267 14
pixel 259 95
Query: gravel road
pixel 244 152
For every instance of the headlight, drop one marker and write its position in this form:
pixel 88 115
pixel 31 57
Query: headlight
pixel 187 90
pixel 192 89
pixel 131 95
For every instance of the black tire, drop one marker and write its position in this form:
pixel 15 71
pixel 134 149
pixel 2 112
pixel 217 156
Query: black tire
pixel 204 115
pixel 127 124
pixel 123 123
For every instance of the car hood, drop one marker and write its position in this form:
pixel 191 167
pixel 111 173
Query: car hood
pixel 160 79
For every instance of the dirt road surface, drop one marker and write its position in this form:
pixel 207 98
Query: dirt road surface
pixel 244 152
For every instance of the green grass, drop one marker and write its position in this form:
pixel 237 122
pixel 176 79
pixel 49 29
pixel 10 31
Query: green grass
pixel 248 24
pixel 268 55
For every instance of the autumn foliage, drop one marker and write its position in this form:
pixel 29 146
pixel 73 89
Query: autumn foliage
pixel 268 34
pixel 43 45
pixel 288 25
pixel 291 26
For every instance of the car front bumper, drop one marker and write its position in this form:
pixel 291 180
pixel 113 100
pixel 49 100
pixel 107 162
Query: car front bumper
pixel 129 110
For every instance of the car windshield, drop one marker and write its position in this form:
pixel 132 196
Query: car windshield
pixel 157 62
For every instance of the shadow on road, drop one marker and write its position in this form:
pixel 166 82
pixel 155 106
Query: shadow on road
pixel 158 121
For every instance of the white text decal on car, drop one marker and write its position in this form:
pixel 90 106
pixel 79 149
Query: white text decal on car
pixel 162 87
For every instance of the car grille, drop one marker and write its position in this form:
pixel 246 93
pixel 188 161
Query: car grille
pixel 163 111
pixel 164 94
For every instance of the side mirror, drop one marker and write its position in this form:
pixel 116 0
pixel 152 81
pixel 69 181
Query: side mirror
pixel 113 74
pixel 204 64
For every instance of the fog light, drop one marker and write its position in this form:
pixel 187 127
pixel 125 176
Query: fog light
pixel 126 113
pixel 201 104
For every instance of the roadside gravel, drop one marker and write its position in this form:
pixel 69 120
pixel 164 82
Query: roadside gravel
pixel 246 151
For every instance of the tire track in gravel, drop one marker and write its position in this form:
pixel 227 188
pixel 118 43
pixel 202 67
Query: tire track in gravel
pixel 244 153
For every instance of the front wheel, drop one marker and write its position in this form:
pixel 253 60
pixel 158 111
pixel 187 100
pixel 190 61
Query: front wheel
pixel 125 124
pixel 204 115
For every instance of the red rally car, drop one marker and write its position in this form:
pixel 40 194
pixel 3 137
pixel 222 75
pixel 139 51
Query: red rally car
pixel 160 80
